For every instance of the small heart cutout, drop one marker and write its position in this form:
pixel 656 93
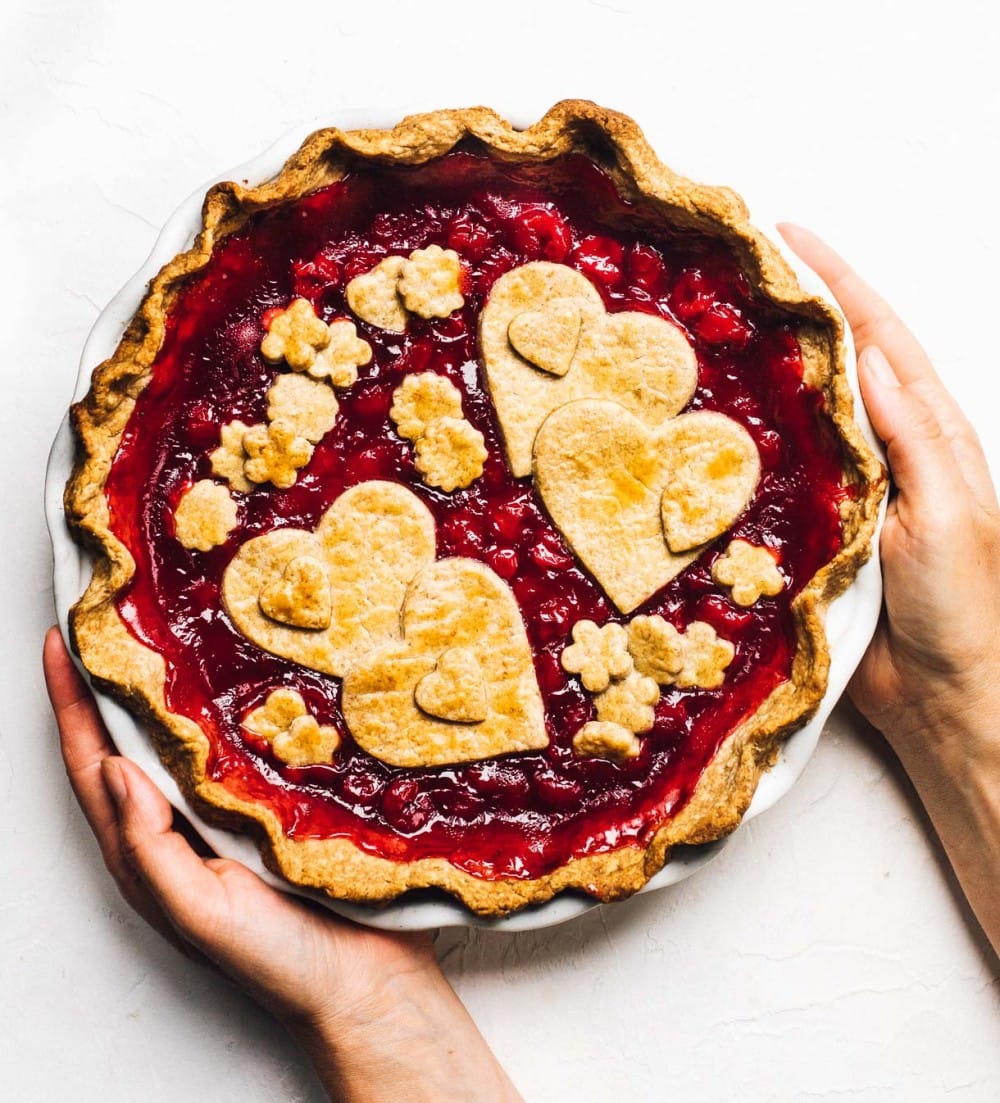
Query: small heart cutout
pixel 301 597
pixel 548 337
pixel 370 543
pixel 390 698
pixel 455 689
pixel 612 486
pixel 640 361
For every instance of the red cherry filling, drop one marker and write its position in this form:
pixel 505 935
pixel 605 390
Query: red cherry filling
pixel 520 815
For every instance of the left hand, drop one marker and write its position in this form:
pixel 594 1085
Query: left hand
pixel 363 1003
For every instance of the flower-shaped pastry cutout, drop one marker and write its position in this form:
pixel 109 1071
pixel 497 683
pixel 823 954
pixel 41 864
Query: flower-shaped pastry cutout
pixel 306 343
pixel 597 654
pixel 750 571
pixel 296 736
pixel 205 516
pixel 605 739
pixel 295 335
pixel 423 398
pixel 311 407
pixel 450 454
pixel 228 459
pixel 344 354
pixel 706 657
pixel 629 702
pixel 275 452
pixel 374 296
pixel 429 282
pixel 656 647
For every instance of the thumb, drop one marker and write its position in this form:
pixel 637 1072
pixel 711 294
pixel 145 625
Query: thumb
pixel 178 879
pixel 920 455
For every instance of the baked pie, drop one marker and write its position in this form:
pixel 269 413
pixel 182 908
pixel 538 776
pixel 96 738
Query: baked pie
pixel 466 502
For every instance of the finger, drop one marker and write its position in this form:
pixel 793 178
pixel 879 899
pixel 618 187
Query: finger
pixel 83 739
pixel 873 321
pixel 923 465
pixel 180 882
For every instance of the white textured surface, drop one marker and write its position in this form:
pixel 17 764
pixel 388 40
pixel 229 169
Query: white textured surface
pixel 826 953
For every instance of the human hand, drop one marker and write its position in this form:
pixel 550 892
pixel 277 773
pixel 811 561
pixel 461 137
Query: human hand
pixel 935 657
pixel 929 680
pixel 369 1007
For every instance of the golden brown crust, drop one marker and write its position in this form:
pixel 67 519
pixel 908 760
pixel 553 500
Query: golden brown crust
pixel 136 674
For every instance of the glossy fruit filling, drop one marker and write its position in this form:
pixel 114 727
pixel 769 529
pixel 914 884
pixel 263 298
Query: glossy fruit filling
pixel 520 815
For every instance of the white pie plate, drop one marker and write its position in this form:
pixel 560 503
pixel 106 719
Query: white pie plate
pixel 850 622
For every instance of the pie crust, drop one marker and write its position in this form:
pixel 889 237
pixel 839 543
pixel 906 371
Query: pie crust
pixel 422 687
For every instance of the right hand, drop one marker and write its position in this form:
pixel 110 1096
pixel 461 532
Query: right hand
pixel 935 658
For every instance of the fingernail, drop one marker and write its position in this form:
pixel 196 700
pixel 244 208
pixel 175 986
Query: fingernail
pixel 114 779
pixel 874 362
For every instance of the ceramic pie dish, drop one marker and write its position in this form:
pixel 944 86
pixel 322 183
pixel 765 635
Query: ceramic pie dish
pixel 467 506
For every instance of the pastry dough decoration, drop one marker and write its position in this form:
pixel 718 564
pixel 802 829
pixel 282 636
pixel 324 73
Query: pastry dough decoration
pixel 706 657
pixel 454 604
pixel 371 542
pixel 301 597
pixel 420 400
pixel 449 451
pixel 306 343
pixel 751 572
pixel 598 654
pixel 547 338
pixel 227 460
pixel 629 702
pixel 605 739
pixel 608 482
pixel 640 361
pixel 205 516
pixel 455 689
pixel 311 407
pixel 450 454
pixel 375 297
pixel 656 647
pixel 295 736
pixel 275 453
pixel 430 282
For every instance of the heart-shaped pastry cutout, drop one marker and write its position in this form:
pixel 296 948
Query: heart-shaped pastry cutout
pixel 618 490
pixel 455 689
pixel 370 544
pixel 452 605
pixel 301 597
pixel 641 361
pixel 548 337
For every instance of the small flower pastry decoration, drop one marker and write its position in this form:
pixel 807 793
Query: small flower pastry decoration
pixel 597 654
pixel 656 647
pixel 629 702
pixel 427 283
pixel 310 407
pixel 420 400
pixel 205 516
pixel 295 736
pixel 706 657
pixel 307 344
pixel 228 459
pixel 750 571
pixel 449 451
pixel 450 454
pixel 275 453
pixel 604 739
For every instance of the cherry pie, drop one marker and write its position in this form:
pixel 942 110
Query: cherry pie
pixel 466 502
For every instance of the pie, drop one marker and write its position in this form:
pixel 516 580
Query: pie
pixel 465 503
